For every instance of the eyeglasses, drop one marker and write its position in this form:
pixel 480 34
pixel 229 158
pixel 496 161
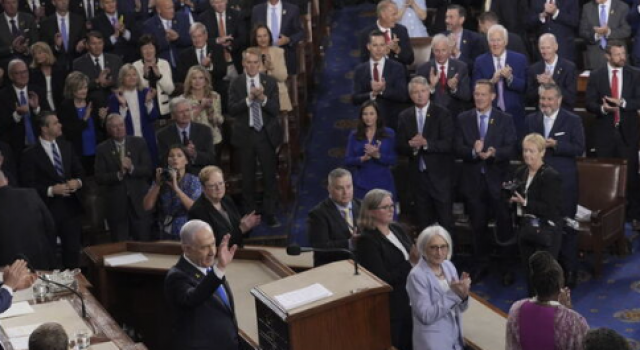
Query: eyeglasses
pixel 387 207
pixel 215 185
pixel 435 248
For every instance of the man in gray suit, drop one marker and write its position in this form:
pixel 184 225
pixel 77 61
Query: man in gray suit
pixel 603 20
pixel 17 31
pixel 101 68
pixel 195 137
pixel 123 169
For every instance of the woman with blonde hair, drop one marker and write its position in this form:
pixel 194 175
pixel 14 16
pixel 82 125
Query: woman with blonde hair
pixel 46 73
pixel 206 107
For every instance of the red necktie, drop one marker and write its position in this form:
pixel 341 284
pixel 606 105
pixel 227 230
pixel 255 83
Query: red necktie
pixel 443 78
pixel 615 94
pixel 387 36
pixel 376 75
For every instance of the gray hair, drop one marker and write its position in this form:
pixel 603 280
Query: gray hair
pixel 427 235
pixel 189 230
pixel 336 174
pixel 49 336
pixel 175 102
pixel 420 80
pixel 439 38
pixel 111 117
pixel 548 36
pixel 499 28
pixel 550 86
pixel 198 26
pixel 370 203
pixel 13 63
pixel 383 5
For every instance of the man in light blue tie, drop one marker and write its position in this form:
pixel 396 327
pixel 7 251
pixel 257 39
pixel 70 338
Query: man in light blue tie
pixel 601 22
pixel 197 290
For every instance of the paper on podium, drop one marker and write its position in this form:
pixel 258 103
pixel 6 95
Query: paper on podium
pixel 21 343
pixel 104 346
pixel 303 296
pixel 125 259
pixel 59 311
pixel 17 309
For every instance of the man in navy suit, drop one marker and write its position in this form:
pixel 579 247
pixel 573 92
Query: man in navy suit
pixel 557 17
pixel 485 140
pixel 469 44
pixel 552 69
pixel 564 135
pixel 380 79
pixel 140 9
pixel 602 21
pixel 171 31
pixel 65 32
pixel 448 77
pixel 15 277
pixel 197 290
pixel 633 17
pixel 615 102
pixel 514 41
pixel 425 135
pixel 227 27
pixel 508 71
pixel 395 34
pixel 283 20
pixel 52 168
pixel 119 30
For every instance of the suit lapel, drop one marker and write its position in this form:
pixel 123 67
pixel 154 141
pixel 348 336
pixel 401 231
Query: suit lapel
pixel 337 216
pixel 197 276
pixel 47 163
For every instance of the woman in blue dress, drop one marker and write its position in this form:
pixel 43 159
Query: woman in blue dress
pixel 411 13
pixel 371 152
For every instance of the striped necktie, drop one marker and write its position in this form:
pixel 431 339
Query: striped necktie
pixel 57 160
pixel 256 112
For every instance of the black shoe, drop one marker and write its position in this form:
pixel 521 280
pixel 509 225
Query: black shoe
pixel 508 279
pixel 272 221
pixel 571 280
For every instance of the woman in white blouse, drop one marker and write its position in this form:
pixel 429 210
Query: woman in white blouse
pixel 206 107
pixel 135 103
pixel 155 73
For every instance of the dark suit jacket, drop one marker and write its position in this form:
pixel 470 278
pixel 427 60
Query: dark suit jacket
pixel 567 130
pixel 77 31
pixel 37 172
pixel 9 166
pixel 605 130
pixel 133 187
pixel 326 228
pixel 544 195
pixel 25 7
pixel 188 58
pixel 202 209
pixel 512 14
pixel 10 131
pixel 126 49
pixel 634 20
pixel 73 127
pixel 500 135
pixel 290 27
pixel 201 319
pixel 129 7
pixel 27 27
pixel 270 111
pixel 564 74
pixel 5 299
pixel 234 25
pixel 564 26
pixel 58 75
pixel 406 52
pixel 617 22
pixel 458 101
pixel 199 134
pixel 472 45
pixel 78 8
pixel 86 64
pixel 27 228
pixel 180 24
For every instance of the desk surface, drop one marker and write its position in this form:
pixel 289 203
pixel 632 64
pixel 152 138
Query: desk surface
pixel 483 325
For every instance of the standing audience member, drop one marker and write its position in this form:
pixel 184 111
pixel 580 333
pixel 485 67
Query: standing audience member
pixel 558 18
pixel 16 276
pixel 396 37
pixel 254 103
pixel 219 211
pixel 613 96
pixel 49 336
pixel 468 44
pixel 601 22
pixel 206 108
pixel 510 13
pixel 8 164
pixel 332 223
pixel 119 30
pixel 46 73
pixel 411 13
pixel 170 30
pixel 195 137
pixel 385 249
pixel 176 190
pixel 226 26
pixel 136 105
pixel 514 41
pixel 371 152
pixel 273 62
pixel 27 227
pixel 18 31
pixel 438 297
pixel 155 73
pixel 485 140
pixel 564 141
pixel 634 21
pixel 203 53
pixel 37 9
pixel 197 291
pixel 545 321
pixel 123 168
pixel 425 135
pixel 552 69
pixel 53 169
pixel 87 9
pixel 381 80
pixel 65 32
pixel 605 339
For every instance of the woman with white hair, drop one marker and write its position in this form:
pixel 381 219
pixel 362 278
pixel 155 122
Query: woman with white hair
pixel 437 296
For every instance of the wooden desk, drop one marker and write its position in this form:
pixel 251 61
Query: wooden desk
pixel 302 262
pixel 134 294
pixel 484 325
pixel 105 328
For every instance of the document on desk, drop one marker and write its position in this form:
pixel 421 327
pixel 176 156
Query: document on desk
pixel 20 343
pixel 125 259
pixel 17 309
pixel 303 296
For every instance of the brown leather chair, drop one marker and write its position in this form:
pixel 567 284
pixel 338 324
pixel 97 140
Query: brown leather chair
pixel 602 186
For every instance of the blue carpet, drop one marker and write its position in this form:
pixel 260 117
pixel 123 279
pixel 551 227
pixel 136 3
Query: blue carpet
pixel 612 301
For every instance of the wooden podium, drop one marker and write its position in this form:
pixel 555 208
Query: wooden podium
pixel 355 317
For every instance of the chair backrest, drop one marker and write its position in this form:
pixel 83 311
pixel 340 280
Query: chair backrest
pixel 601 181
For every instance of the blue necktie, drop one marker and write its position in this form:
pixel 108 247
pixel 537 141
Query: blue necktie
pixel 256 115
pixel 57 160
pixel 63 32
pixel 28 128
pixel 223 295
pixel 422 166
pixel 483 126
pixel 14 29
pixel 275 26
pixel 501 103
pixel 603 22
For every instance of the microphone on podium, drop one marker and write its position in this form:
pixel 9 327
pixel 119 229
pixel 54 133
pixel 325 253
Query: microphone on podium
pixel 294 249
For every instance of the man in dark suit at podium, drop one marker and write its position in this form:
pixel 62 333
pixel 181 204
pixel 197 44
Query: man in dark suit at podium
pixel 198 293
pixel 332 223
